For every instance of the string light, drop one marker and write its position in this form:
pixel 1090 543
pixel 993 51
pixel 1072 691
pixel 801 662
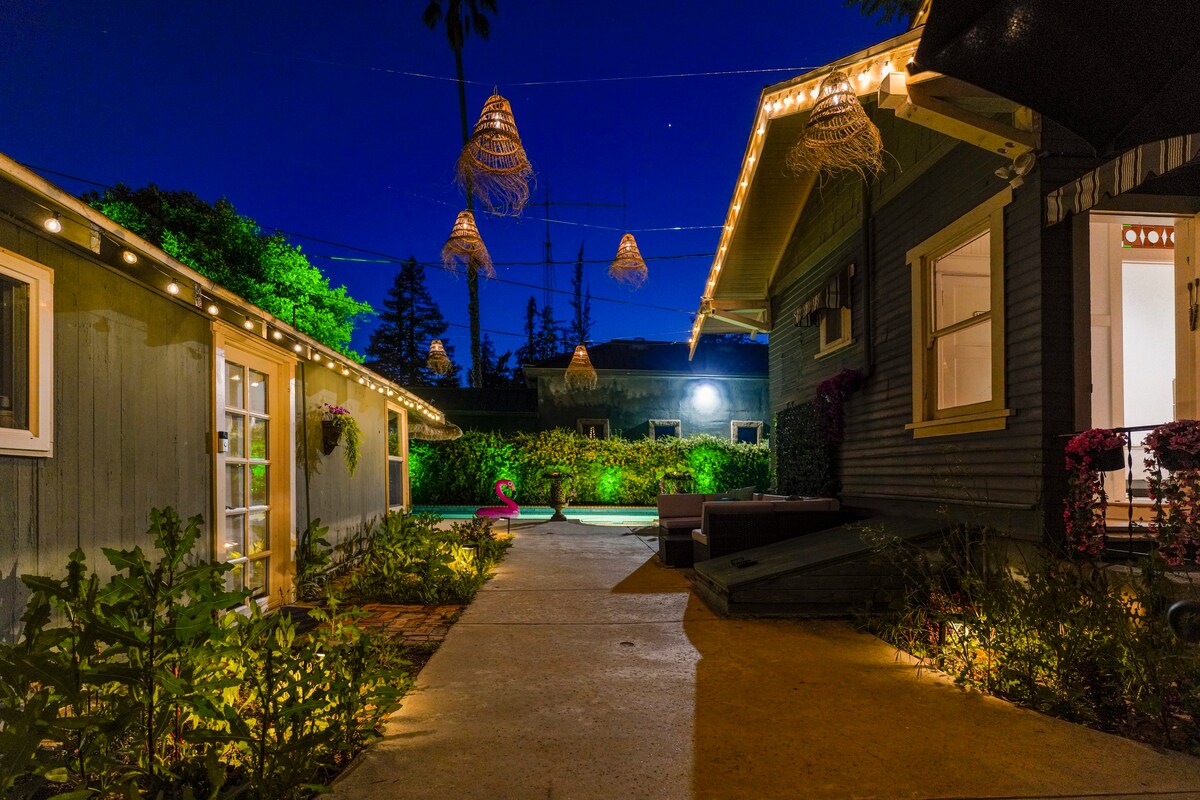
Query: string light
pixel 213 309
pixel 129 257
pixel 277 335
pixel 54 224
pixel 298 347
pixel 173 288
pixel 248 324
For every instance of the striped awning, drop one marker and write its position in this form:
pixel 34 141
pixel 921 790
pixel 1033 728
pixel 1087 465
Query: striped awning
pixel 1123 173
pixel 833 294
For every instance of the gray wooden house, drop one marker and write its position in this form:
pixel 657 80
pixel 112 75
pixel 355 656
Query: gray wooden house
pixel 128 381
pixel 646 388
pixel 999 286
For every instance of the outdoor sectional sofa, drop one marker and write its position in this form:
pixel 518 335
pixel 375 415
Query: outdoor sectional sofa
pixel 701 526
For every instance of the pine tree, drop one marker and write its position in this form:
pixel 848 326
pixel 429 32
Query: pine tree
pixel 549 334
pixel 411 320
pixel 581 304
pixel 497 373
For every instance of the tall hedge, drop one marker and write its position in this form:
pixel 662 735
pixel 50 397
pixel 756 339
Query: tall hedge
pixel 607 471
pixel 804 457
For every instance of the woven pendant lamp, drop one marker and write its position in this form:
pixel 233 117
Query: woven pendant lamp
pixel 839 135
pixel 466 247
pixel 629 267
pixel 580 374
pixel 493 165
pixel 438 362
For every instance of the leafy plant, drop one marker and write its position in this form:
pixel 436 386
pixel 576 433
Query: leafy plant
pixel 348 430
pixel 314 555
pixel 1085 503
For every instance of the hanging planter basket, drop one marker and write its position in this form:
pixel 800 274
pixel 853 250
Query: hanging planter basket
pixel 629 267
pixel 331 436
pixel 1177 460
pixel 839 135
pixel 465 247
pixel 493 165
pixel 580 374
pixel 1109 460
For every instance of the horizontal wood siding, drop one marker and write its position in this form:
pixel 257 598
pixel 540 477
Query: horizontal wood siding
pixel 132 395
pixel 881 464
pixel 345 504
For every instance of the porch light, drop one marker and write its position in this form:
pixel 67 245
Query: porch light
pixel 706 398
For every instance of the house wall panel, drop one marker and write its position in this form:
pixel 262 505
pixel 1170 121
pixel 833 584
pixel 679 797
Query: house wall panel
pixel 344 504
pixel 879 458
pixel 132 400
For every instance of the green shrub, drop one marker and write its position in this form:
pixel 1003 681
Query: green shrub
pixel 409 560
pixel 158 685
pixel 607 472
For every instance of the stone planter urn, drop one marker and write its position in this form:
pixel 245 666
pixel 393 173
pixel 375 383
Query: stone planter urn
pixel 561 486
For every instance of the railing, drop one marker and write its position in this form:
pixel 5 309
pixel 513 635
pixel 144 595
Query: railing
pixel 1134 480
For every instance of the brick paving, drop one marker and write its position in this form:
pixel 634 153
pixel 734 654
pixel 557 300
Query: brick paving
pixel 412 623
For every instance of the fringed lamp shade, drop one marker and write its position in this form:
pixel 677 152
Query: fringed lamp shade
pixel 839 135
pixel 466 247
pixel 580 373
pixel 438 362
pixel 629 267
pixel 493 165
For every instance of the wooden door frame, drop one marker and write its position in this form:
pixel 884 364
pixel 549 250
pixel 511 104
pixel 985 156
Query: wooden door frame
pixel 282 441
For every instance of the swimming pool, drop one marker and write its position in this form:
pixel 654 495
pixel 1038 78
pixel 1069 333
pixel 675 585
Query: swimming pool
pixel 591 515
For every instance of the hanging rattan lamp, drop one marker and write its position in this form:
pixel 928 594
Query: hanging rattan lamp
pixel 839 135
pixel 465 246
pixel 493 165
pixel 629 267
pixel 438 361
pixel 580 374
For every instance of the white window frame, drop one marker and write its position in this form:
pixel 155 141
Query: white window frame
pixel 990 415
pixel 582 423
pixel 827 345
pixel 402 416
pixel 38 439
pixel 745 423
pixel 676 422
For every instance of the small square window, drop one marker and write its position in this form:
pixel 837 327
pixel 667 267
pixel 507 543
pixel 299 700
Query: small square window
pixel 835 328
pixel 592 428
pixel 26 356
pixel 662 428
pixel 745 431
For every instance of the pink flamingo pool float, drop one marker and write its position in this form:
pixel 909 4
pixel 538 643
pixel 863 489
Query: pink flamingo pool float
pixel 508 511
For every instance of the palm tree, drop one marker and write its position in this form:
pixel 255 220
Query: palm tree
pixel 461 17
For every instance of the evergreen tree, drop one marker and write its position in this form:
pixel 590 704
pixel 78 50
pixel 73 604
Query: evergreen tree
pixel 545 337
pixel 497 372
pixel 581 304
pixel 411 320
pixel 527 353
pixel 549 334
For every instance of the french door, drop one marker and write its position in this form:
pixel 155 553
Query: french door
pixel 253 480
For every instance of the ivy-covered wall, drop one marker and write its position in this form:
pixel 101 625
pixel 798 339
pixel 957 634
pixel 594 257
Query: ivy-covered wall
pixel 607 472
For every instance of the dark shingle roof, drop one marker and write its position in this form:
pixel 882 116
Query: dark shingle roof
pixel 712 358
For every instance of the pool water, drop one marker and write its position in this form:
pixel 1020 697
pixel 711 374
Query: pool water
pixel 591 515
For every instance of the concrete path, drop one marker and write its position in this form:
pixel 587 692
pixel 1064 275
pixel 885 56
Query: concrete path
pixel 585 670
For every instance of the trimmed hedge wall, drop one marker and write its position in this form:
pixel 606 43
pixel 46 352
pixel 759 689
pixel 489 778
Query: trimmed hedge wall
pixel 804 458
pixel 607 471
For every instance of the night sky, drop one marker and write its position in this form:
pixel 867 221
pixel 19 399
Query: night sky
pixel 302 114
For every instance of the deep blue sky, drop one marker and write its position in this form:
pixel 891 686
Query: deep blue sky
pixel 300 114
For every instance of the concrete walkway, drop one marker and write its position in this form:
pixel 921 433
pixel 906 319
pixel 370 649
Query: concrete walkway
pixel 585 670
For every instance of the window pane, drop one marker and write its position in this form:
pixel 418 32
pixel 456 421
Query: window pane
pixel 258 484
pixel 832 330
pixel 258 438
pixel 235 425
pixel 235 486
pixel 256 576
pixel 234 545
pixel 258 392
pixel 235 385
pixel 393 434
pixel 257 538
pixel 662 431
pixel 14 353
pixel 962 284
pixel 964 366
pixel 395 482
pixel 233 578
pixel 747 434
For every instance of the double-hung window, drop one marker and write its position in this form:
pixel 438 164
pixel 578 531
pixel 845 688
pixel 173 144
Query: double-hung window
pixel 26 357
pixel 958 325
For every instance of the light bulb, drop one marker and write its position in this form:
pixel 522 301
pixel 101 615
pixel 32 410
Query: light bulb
pixel 248 324
pixel 317 357
pixel 345 371
pixel 277 335
pixel 54 224
pixel 297 347
pixel 172 288
pixel 212 309
pixel 129 257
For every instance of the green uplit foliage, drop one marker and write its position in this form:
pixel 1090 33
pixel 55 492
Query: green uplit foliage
pixel 607 471
pixel 231 250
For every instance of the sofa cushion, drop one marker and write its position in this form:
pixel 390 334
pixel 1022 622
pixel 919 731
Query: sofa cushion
pixel 744 493
pixel 698 536
pixel 675 524
pixel 808 504
pixel 680 505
